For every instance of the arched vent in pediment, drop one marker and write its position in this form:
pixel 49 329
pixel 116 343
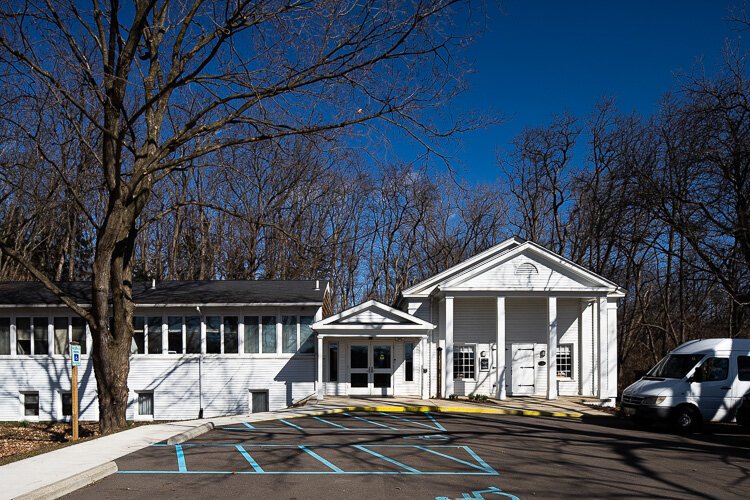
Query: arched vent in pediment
pixel 526 269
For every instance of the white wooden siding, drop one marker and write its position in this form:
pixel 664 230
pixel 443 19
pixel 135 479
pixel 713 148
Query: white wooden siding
pixel 173 379
pixel 526 320
pixel 474 320
pixel 420 309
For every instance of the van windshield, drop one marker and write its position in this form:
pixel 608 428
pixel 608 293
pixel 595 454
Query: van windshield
pixel 674 365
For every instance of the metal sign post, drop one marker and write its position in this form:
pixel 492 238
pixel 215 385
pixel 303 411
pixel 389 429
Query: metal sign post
pixel 75 362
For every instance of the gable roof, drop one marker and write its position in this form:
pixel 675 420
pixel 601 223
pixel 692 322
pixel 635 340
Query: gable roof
pixel 424 288
pixel 179 293
pixel 373 315
pixel 502 253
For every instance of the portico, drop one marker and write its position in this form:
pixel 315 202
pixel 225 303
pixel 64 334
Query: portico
pixel 371 350
pixel 521 320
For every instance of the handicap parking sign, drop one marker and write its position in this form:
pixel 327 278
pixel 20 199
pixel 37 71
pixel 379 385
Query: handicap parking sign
pixel 75 355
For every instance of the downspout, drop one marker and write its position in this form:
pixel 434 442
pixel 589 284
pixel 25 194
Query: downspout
pixel 200 370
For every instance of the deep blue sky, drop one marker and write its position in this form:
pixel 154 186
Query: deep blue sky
pixel 536 58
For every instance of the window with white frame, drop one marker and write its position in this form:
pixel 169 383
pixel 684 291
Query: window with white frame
pixel 193 334
pixel 4 336
pixel 174 335
pixel 268 329
pixel 464 362
pixel 61 335
pixel 138 343
pixel 252 337
pixel 409 361
pixel 154 333
pixel 78 332
pixel 296 334
pixel 231 332
pixel 145 403
pixel 30 404
pixel 32 336
pixel 565 361
pixel 213 334
pixel 260 334
pixel 289 334
pixel 306 339
pixel 66 403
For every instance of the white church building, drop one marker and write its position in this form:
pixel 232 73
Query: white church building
pixel 514 320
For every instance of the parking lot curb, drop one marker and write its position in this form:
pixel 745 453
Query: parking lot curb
pixel 71 484
pixel 446 409
pixel 190 434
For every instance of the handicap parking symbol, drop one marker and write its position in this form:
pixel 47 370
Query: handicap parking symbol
pixel 429 437
pixel 479 494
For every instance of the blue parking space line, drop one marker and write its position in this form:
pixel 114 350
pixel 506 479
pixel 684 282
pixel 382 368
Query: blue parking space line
pixel 332 423
pixel 479 460
pixel 180 458
pixel 250 460
pixel 434 421
pixel 371 422
pixel 413 422
pixel 383 457
pixel 291 424
pixel 246 424
pixel 297 473
pixel 480 467
pixel 322 460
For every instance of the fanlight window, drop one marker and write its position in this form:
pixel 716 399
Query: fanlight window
pixel 526 269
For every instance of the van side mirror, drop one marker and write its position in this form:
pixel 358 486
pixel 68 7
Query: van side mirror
pixel 697 375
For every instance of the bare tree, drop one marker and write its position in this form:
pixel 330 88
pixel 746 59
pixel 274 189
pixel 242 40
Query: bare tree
pixel 160 86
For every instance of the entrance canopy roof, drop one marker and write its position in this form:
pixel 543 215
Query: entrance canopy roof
pixel 372 318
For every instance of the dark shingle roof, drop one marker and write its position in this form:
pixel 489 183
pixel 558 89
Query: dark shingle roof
pixel 175 292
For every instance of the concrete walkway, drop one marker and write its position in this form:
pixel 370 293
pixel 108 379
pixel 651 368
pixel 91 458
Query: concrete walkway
pixel 59 472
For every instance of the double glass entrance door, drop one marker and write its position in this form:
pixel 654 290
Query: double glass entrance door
pixel 370 369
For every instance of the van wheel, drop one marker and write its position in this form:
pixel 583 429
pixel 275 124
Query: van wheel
pixel 686 419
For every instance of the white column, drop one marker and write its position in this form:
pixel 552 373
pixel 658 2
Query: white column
pixel 602 357
pixel 423 392
pixel 552 348
pixel 319 372
pixel 448 365
pixel 612 347
pixel 500 351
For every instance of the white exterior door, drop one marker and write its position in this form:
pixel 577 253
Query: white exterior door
pixel 522 369
pixel 371 369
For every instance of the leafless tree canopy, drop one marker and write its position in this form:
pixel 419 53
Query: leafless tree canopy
pixel 196 140
pixel 120 116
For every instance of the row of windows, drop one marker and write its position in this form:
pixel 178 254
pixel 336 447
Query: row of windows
pixel 30 402
pixel 171 334
pixel 223 334
pixel 464 362
pixel 144 403
pixel 33 335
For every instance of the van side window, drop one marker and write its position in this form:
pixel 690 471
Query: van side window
pixel 743 368
pixel 715 369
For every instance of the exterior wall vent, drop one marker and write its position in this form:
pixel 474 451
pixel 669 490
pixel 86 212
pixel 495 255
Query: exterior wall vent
pixel 526 269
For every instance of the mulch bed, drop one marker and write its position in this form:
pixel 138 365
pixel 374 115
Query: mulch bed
pixel 23 439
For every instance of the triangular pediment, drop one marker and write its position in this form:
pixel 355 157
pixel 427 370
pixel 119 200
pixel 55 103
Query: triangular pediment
pixel 528 267
pixel 373 314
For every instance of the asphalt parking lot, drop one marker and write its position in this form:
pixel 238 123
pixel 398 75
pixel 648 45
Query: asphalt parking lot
pixel 436 456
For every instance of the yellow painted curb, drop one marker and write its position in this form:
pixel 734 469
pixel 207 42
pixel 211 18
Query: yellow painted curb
pixel 443 409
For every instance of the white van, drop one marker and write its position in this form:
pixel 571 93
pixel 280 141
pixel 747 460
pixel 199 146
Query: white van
pixel 700 381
